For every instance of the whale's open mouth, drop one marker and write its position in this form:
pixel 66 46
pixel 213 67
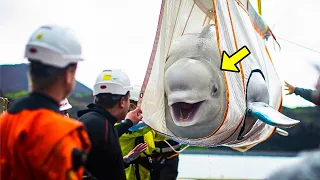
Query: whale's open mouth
pixel 184 113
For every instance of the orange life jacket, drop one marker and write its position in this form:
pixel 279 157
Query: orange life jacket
pixel 38 145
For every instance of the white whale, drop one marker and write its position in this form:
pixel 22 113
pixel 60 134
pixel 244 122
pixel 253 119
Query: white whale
pixel 188 98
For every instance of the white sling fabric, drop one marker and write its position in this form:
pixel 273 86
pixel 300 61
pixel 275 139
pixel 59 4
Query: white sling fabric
pixel 237 25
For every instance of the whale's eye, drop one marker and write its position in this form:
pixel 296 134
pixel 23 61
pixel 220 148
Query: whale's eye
pixel 214 90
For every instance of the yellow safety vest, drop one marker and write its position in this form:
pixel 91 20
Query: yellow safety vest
pixel 127 143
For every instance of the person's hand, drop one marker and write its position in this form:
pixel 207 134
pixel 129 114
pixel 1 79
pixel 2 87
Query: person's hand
pixel 135 116
pixel 135 152
pixel 289 88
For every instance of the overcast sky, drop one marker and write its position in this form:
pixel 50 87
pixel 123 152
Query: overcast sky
pixel 120 34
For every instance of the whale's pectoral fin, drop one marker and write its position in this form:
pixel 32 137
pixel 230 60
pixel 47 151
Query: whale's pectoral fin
pixel 282 132
pixel 269 115
pixel 138 126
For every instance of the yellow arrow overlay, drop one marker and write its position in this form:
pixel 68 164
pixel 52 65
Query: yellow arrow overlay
pixel 228 63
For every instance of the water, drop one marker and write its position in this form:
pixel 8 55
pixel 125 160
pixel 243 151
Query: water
pixel 232 167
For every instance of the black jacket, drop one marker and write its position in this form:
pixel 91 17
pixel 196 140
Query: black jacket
pixel 309 95
pixel 105 160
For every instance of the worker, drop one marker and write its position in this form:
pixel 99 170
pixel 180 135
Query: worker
pixel 307 168
pixel 151 164
pixel 64 106
pixel 37 142
pixel 136 170
pixel 166 160
pixel 111 104
pixel 308 94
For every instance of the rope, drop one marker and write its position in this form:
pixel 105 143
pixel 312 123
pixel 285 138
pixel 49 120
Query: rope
pixel 302 46
pixel 175 149
pixel 152 56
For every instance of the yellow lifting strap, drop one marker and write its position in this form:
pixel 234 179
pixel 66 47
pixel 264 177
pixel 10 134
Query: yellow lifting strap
pixel 259 7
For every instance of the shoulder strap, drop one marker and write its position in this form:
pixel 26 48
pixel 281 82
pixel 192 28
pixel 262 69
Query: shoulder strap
pixel 107 130
pixel 138 140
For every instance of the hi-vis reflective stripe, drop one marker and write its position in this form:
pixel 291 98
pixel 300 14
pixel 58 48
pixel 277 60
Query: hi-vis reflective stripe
pixel 255 17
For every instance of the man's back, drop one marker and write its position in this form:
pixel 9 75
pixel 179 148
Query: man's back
pixel 105 159
pixel 39 143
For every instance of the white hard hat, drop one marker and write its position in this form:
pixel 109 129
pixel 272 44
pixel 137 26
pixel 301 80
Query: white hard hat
pixel 113 81
pixel 54 45
pixel 135 93
pixel 64 105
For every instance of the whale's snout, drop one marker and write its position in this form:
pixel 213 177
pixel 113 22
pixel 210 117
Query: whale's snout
pixel 184 113
pixel 187 87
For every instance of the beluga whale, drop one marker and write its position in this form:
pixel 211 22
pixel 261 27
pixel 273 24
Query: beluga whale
pixel 187 97
pixel 196 91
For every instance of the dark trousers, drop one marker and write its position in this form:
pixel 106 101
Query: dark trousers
pixel 166 171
